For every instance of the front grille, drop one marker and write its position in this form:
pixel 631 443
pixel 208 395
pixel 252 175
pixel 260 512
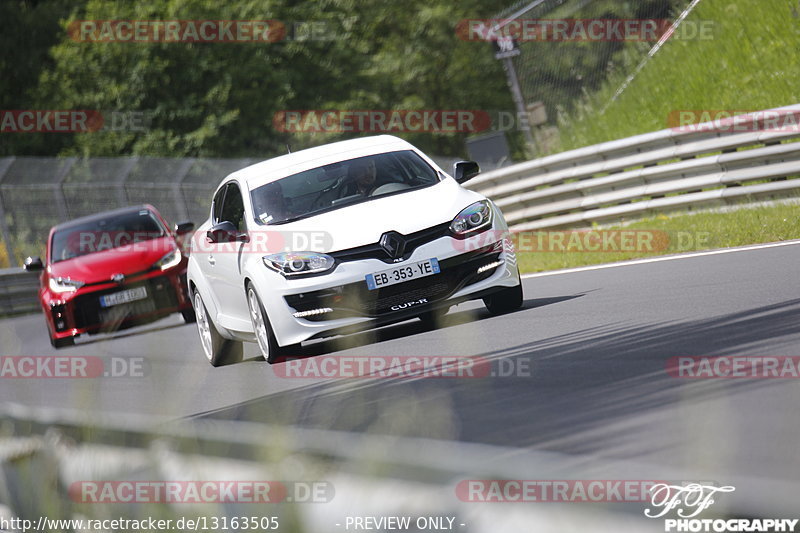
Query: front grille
pixel 375 251
pixel 88 311
pixel 355 299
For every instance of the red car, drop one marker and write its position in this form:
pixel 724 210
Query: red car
pixel 111 271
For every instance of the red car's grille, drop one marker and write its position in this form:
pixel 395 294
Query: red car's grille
pixel 88 311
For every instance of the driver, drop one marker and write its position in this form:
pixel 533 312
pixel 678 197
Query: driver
pixel 361 176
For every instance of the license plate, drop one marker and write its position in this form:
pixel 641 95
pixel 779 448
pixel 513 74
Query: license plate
pixel 120 312
pixel 122 297
pixel 392 276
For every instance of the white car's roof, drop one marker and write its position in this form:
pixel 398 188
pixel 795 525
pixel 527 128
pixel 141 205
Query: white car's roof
pixel 279 167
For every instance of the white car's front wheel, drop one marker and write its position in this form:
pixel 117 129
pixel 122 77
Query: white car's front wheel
pixel 219 350
pixel 265 337
pixel 506 300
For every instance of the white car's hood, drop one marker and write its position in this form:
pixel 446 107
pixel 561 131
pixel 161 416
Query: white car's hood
pixel 364 223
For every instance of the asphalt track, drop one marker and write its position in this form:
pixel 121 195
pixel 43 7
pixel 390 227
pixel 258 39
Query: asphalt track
pixel 596 344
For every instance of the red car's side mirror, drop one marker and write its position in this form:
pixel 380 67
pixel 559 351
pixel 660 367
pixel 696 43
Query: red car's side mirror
pixel 183 228
pixel 33 264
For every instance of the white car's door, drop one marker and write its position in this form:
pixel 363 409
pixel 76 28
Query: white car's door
pixel 225 259
pixel 204 251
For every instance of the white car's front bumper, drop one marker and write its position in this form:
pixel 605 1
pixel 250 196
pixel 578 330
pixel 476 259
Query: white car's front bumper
pixel 469 269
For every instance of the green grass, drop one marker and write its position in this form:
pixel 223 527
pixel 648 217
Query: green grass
pixel 4 261
pixel 749 64
pixel 681 233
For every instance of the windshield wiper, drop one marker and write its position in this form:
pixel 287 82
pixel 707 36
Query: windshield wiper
pixel 292 219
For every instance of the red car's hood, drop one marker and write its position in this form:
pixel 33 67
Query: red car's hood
pixel 126 260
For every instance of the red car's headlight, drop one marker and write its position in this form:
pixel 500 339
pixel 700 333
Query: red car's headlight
pixel 169 260
pixel 62 285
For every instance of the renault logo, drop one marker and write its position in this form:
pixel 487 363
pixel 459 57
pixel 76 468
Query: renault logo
pixel 393 244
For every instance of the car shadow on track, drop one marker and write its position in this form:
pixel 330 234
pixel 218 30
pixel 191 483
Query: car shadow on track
pixel 584 386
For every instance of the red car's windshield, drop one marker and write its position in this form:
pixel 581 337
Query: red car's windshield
pixel 104 234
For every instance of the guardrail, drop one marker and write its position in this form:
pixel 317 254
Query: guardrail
pixel 657 172
pixel 18 291
pixel 50 453
pixel 44 452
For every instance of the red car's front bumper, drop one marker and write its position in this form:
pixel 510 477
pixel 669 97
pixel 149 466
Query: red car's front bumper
pixel 71 314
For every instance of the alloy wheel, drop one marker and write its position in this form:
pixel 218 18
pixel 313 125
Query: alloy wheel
pixel 259 324
pixel 203 325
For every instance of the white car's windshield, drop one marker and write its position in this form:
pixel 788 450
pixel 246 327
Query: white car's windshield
pixel 340 184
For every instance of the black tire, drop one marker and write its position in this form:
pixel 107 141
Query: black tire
pixel 218 350
pixel 506 300
pixel 271 351
pixel 433 319
pixel 189 316
pixel 62 343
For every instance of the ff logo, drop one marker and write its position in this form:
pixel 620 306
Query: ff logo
pixel 693 497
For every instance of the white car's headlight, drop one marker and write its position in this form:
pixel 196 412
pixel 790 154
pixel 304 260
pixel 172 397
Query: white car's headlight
pixel 472 219
pixel 169 260
pixel 299 263
pixel 62 285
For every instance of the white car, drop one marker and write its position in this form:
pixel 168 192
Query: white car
pixel 340 238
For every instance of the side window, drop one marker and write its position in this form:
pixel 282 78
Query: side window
pixel 216 206
pixel 233 207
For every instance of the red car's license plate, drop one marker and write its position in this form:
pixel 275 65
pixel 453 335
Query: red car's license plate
pixel 122 297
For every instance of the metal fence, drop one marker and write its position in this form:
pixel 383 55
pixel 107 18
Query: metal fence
pixel 39 192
